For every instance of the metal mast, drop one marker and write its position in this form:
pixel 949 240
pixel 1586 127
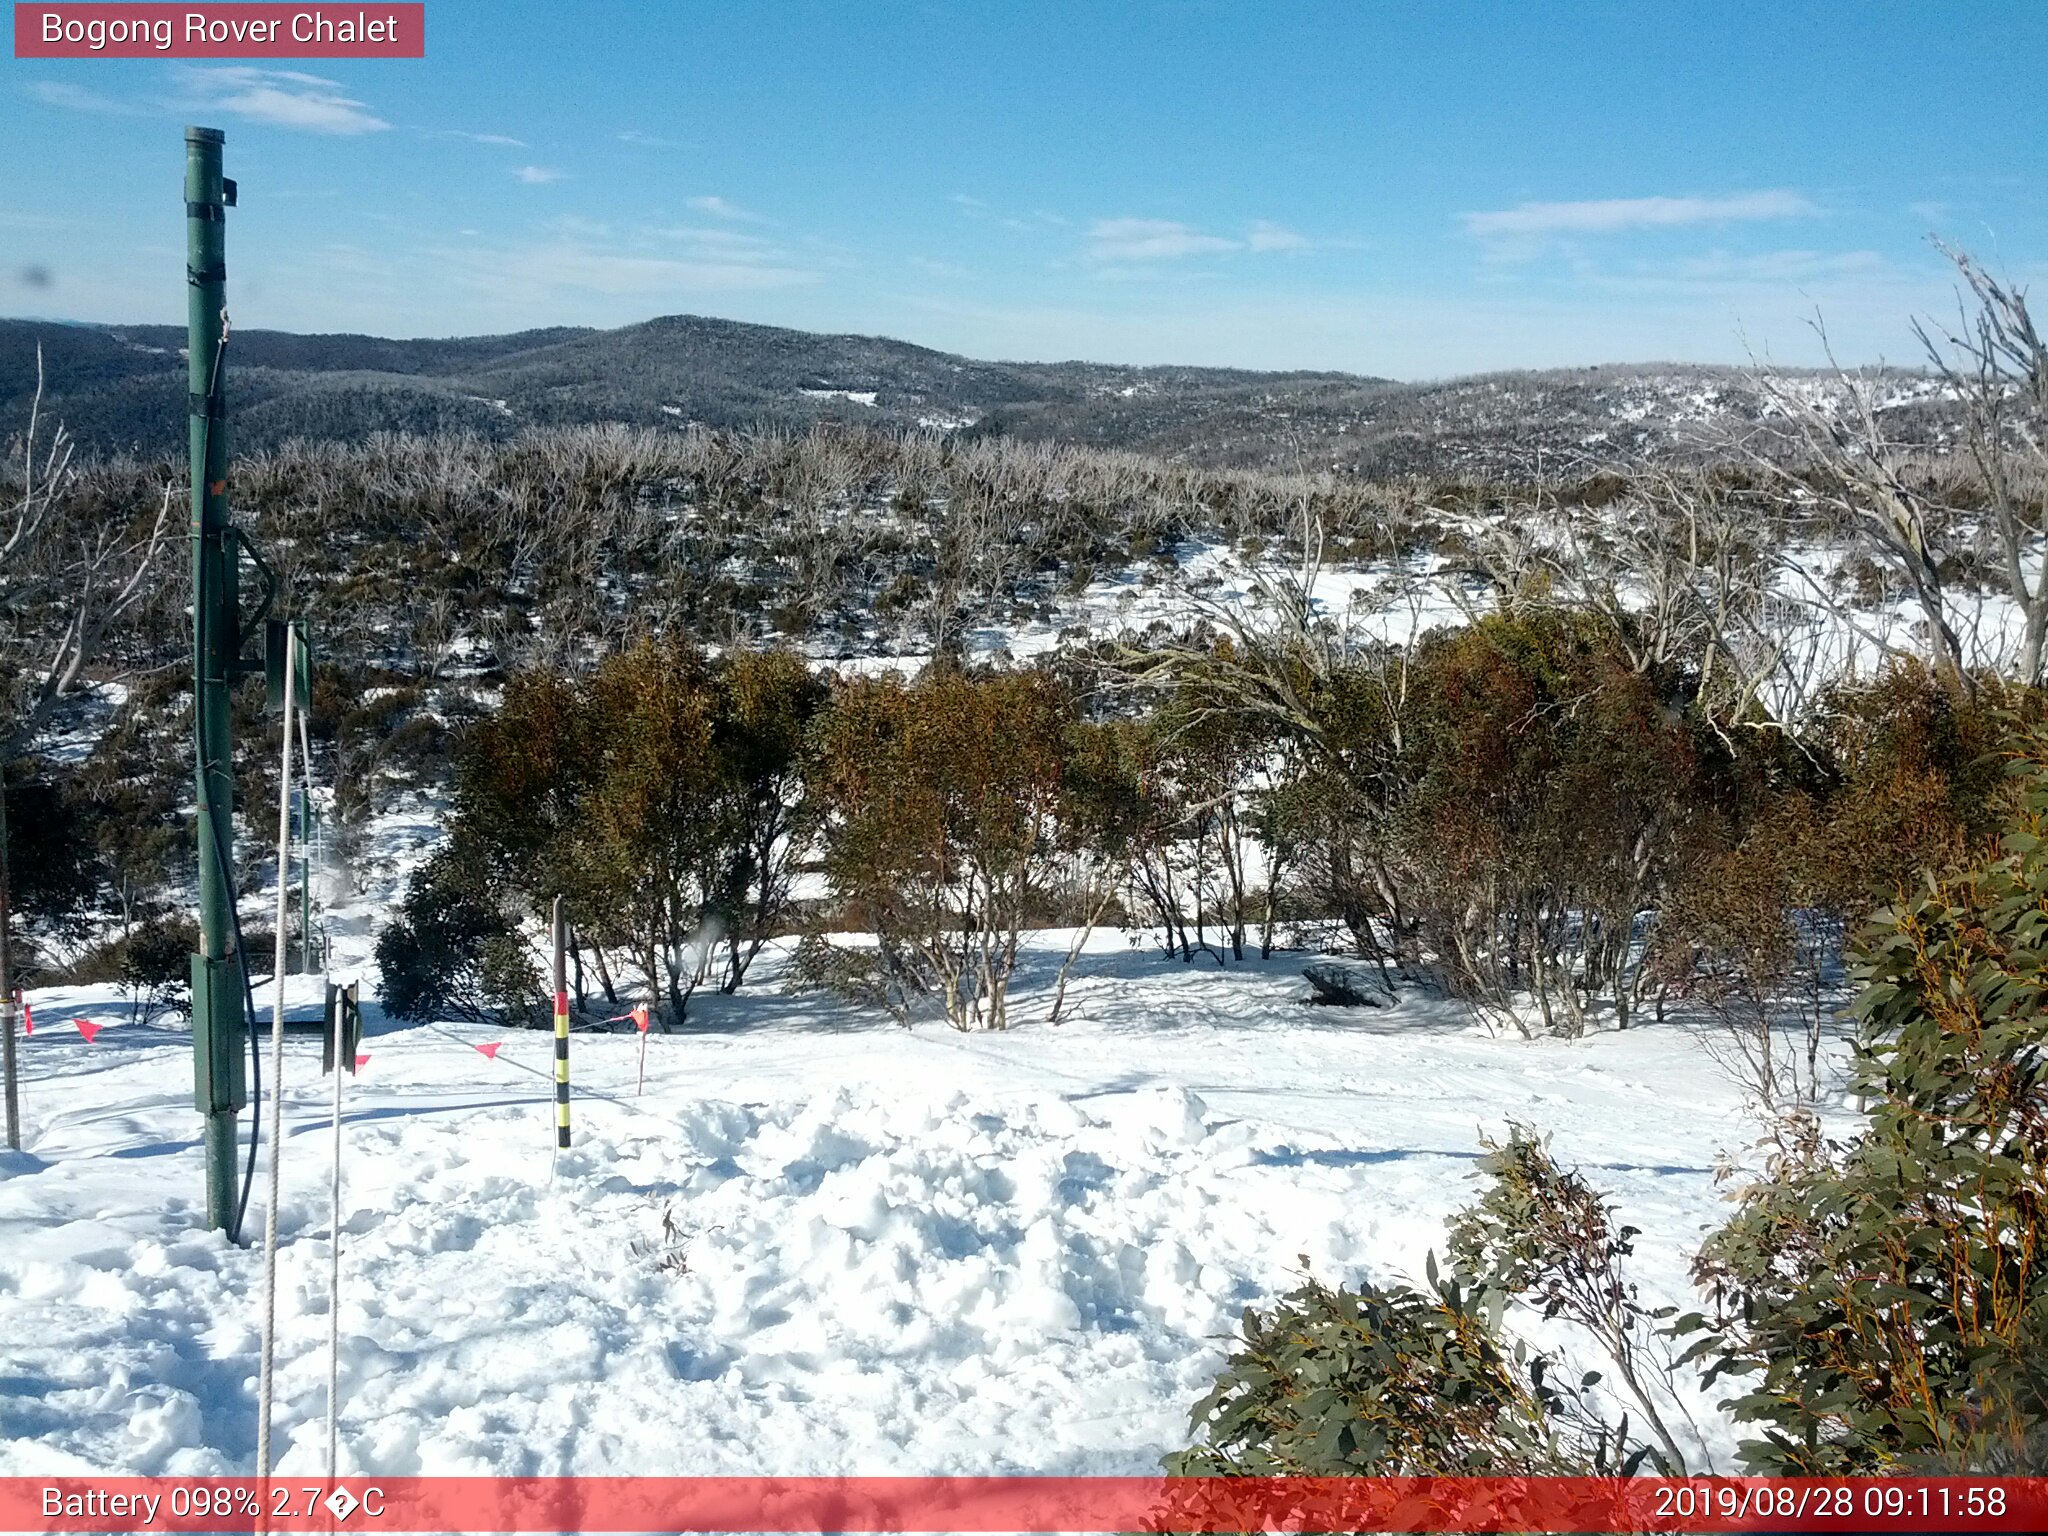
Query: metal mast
pixel 217 974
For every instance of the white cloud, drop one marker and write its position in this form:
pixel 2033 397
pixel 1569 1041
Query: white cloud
pixel 649 140
pixel 283 98
pixel 1779 266
pixel 719 208
pixel 1150 240
pixel 536 175
pixel 1116 241
pixel 1622 213
pixel 1268 236
pixel 62 93
pixel 539 274
pixel 725 245
pixel 483 138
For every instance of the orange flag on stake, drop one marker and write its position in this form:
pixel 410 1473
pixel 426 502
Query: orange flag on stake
pixel 641 1017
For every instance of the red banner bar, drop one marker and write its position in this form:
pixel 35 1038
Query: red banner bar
pixel 1023 1504
pixel 237 31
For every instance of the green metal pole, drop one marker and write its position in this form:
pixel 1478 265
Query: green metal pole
pixel 220 1076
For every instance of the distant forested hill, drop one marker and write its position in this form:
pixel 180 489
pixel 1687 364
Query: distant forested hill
pixel 122 388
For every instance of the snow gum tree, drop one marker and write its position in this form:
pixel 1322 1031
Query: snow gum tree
pixel 949 802
pixel 1557 791
pixel 664 798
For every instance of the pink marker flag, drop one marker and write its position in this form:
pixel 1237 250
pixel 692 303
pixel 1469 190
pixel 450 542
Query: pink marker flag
pixel 362 1062
pixel 28 1020
pixel 641 1017
pixel 491 1050
pixel 87 1028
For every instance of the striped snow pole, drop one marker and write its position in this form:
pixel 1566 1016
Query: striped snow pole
pixel 561 1029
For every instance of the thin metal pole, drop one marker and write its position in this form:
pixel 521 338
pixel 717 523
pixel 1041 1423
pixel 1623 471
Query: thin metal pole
pixel 10 1067
pixel 341 1046
pixel 284 832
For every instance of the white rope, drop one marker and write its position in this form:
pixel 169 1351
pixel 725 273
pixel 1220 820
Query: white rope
pixel 284 832
pixel 309 860
pixel 336 1015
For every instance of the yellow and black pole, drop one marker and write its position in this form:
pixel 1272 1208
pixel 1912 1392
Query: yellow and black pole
pixel 561 1029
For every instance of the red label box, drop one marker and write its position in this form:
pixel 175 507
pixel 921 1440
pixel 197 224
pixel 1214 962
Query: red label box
pixel 236 31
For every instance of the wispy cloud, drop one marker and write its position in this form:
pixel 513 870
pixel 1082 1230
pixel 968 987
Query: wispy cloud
pixel 720 208
pixel 62 93
pixel 650 140
pixel 532 273
pixel 283 98
pixel 725 245
pixel 480 138
pixel 1126 240
pixel 536 175
pixel 1268 236
pixel 1114 243
pixel 1775 268
pixel 1610 215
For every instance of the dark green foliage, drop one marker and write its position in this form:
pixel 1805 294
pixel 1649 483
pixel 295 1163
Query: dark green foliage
pixel 1391 1382
pixel 151 963
pixel 663 800
pixel 451 953
pixel 1884 1304
pixel 52 878
pixel 156 965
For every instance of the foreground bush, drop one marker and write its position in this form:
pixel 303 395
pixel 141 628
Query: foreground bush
pixel 1390 1383
pixel 1886 1302
pixel 1882 1304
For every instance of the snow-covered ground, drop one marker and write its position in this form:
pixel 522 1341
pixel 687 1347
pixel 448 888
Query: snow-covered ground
pixel 894 1250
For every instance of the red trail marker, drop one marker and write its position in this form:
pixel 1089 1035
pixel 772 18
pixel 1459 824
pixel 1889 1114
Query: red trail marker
pixel 87 1028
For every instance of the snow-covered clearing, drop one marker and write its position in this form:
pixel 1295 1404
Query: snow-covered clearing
pixel 905 1251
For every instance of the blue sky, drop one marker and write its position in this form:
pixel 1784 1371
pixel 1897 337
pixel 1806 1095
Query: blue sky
pixel 1411 190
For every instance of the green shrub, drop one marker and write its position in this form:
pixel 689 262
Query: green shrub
pixel 151 963
pixel 1542 1236
pixel 1885 1302
pixel 1392 1382
pixel 451 953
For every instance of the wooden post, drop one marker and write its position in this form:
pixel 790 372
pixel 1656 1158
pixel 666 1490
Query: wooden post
pixel 561 1029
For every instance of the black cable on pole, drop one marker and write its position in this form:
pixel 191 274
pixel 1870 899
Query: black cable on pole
pixel 227 874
